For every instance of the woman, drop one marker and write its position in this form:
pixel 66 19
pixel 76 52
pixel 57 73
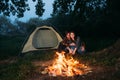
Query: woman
pixel 65 43
pixel 72 44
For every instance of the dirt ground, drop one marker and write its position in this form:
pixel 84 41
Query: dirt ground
pixel 97 73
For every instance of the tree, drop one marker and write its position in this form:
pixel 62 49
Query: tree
pixel 39 8
pixel 18 7
pixel 83 15
pixel 113 16
pixel 6 26
pixel 21 27
pixel 62 7
pixel 81 9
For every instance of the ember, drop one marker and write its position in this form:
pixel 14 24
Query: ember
pixel 63 66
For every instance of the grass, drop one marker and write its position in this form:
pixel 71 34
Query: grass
pixel 40 55
pixel 19 70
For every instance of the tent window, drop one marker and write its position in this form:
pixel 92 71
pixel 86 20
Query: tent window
pixel 45 38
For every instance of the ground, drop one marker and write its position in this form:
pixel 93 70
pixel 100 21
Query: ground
pixel 98 73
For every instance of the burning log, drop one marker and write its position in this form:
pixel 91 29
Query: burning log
pixel 63 66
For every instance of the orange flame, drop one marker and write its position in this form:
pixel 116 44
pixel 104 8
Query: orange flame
pixel 63 66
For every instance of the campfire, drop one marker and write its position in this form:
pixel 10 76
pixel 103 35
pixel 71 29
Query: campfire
pixel 66 66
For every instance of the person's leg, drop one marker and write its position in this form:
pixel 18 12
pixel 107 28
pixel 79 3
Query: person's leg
pixel 80 51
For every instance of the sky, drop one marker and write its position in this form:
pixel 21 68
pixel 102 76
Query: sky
pixel 31 14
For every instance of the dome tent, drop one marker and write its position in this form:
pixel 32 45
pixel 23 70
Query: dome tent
pixel 44 37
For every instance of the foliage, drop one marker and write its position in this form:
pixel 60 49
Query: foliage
pixel 87 17
pixel 10 46
pixel 39 8
pixel 6 26
pixel 22 27
pixel 97 43
pixel 18 7
pixel 81 9
pixel 17 27
pixel 95 18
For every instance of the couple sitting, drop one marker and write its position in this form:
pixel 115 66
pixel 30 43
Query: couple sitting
pixel 71 44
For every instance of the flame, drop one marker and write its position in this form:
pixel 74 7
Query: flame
pixel 63 66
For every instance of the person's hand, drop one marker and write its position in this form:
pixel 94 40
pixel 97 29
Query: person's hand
pixel 82 48
pixel 74 51
pixel 70 51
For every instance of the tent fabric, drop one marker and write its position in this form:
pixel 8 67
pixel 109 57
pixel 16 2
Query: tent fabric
pixel 43 37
